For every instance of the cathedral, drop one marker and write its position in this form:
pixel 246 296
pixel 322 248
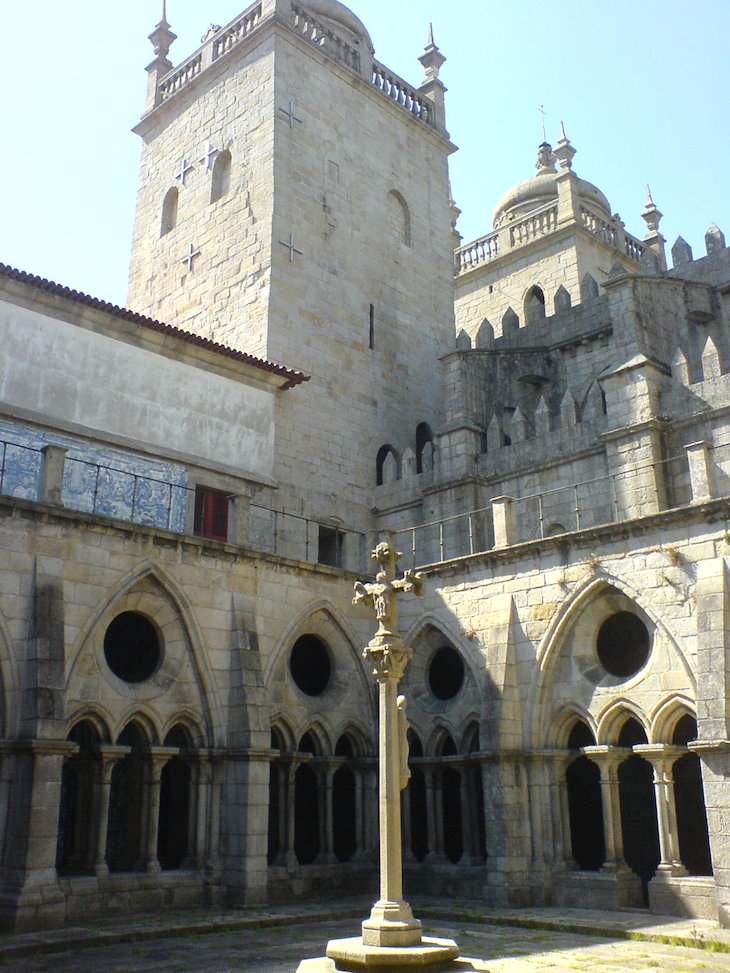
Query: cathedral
pixel 311 359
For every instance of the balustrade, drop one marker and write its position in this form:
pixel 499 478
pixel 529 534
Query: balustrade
pixel 402 94
pixel 227 39
pixel 538 224
pixel 476 253
pixel 180 77
pixel 324 38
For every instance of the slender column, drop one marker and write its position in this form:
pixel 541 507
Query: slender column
pixel 359 816
pixel 431 828
pixel 561 811
pixel 290 858
pixel 109 757
pixel 217 757
pixel 282 783
pixel 158 757
pixel 608 760
pixel 406 825
pixel 326 774
pixel 467 831
pixel 202 833
pixel 662 757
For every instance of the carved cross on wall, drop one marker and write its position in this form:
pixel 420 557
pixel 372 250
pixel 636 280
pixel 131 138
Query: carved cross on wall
pixel 208 155
pixel 291 248
pixel 191 255
pixel 184 170
pixel 291 116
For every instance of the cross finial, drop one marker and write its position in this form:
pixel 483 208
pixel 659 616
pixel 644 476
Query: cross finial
pixel 542 111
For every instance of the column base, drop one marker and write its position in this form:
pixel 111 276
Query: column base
pixel 354 956
pixel 391 924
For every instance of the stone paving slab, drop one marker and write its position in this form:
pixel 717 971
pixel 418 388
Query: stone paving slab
pixel 275 940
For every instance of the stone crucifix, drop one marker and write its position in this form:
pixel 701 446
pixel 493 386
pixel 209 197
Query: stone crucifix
pixel 391 922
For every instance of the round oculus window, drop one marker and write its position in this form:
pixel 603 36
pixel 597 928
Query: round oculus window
pixel 446 673
pixel 310 665
pixel 623 644
pixel 132 647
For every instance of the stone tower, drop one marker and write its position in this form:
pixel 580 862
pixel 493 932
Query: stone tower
pixel 293 203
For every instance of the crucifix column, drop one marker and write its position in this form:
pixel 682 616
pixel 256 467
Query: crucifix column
pixel 391 936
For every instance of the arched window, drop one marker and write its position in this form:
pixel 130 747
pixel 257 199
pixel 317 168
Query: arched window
pixel 174 839
pixel 399 218
pixel 169 211
pixel 387 466
pixel 534 305
pixel 424 448
pixel 124 848
pixel 344 804
pixel 77 827
pixel 451 809
pixel 221 178
pixel 689 798
pixel 585 806
pixel 307 838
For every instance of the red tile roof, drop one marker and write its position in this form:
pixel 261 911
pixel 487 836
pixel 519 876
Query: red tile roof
pixel 292 376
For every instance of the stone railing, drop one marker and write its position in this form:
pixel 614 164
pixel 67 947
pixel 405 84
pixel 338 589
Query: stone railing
pixel 227 39
pixel 324 38
pixel 181 76
pixel 212 50
pixel 402 94
pixel 612 233
pixel 478 252
pixel 535 225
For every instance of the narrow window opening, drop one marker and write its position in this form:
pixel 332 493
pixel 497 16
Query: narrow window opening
pixel 330 546
pixel 169 212
pixel 371 335
pixel 211 514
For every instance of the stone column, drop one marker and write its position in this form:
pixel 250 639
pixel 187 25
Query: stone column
pixel 561 811
pixel 662 757
pixel 608 760
pixel 328 848
pixel 157 758
pixel 109 758
pixel 290 858
pixel 202 819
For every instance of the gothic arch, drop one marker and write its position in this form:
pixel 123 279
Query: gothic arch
pixel 424 448
pixel 613 718
pixel 533 304
pixel 280 726
pixel 129 594
pixel 564 723
pixel 560 628
pixel 320 736
pixel 190 722
pixel 667 715
pixel 97 716
pixel 388 465
pixel 143 718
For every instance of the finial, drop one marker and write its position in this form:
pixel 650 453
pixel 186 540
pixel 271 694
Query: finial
pixel 545 159
pixel 162 37
pixel 651 215
pixel 542 112
pixel 564 151
pixel 432 59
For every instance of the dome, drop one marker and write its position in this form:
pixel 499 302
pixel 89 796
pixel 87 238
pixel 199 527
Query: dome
pixel 541 190
pixel 339 16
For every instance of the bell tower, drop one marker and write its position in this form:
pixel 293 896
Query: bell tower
pixel 294 203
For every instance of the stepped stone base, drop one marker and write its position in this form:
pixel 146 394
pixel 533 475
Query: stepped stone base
pixel 353 956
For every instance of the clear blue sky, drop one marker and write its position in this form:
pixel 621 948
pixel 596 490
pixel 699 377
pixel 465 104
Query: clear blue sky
pixel 642 87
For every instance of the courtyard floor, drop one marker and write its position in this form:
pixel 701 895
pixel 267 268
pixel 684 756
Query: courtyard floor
pixel 275 939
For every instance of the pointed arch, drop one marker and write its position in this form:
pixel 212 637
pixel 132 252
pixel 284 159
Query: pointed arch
pixel 424 448
pixel 564 723
pixel 533 304
pixel 388 466
pixel 667 714
pixel 150 590
pixel 612 719
pixel 560 627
